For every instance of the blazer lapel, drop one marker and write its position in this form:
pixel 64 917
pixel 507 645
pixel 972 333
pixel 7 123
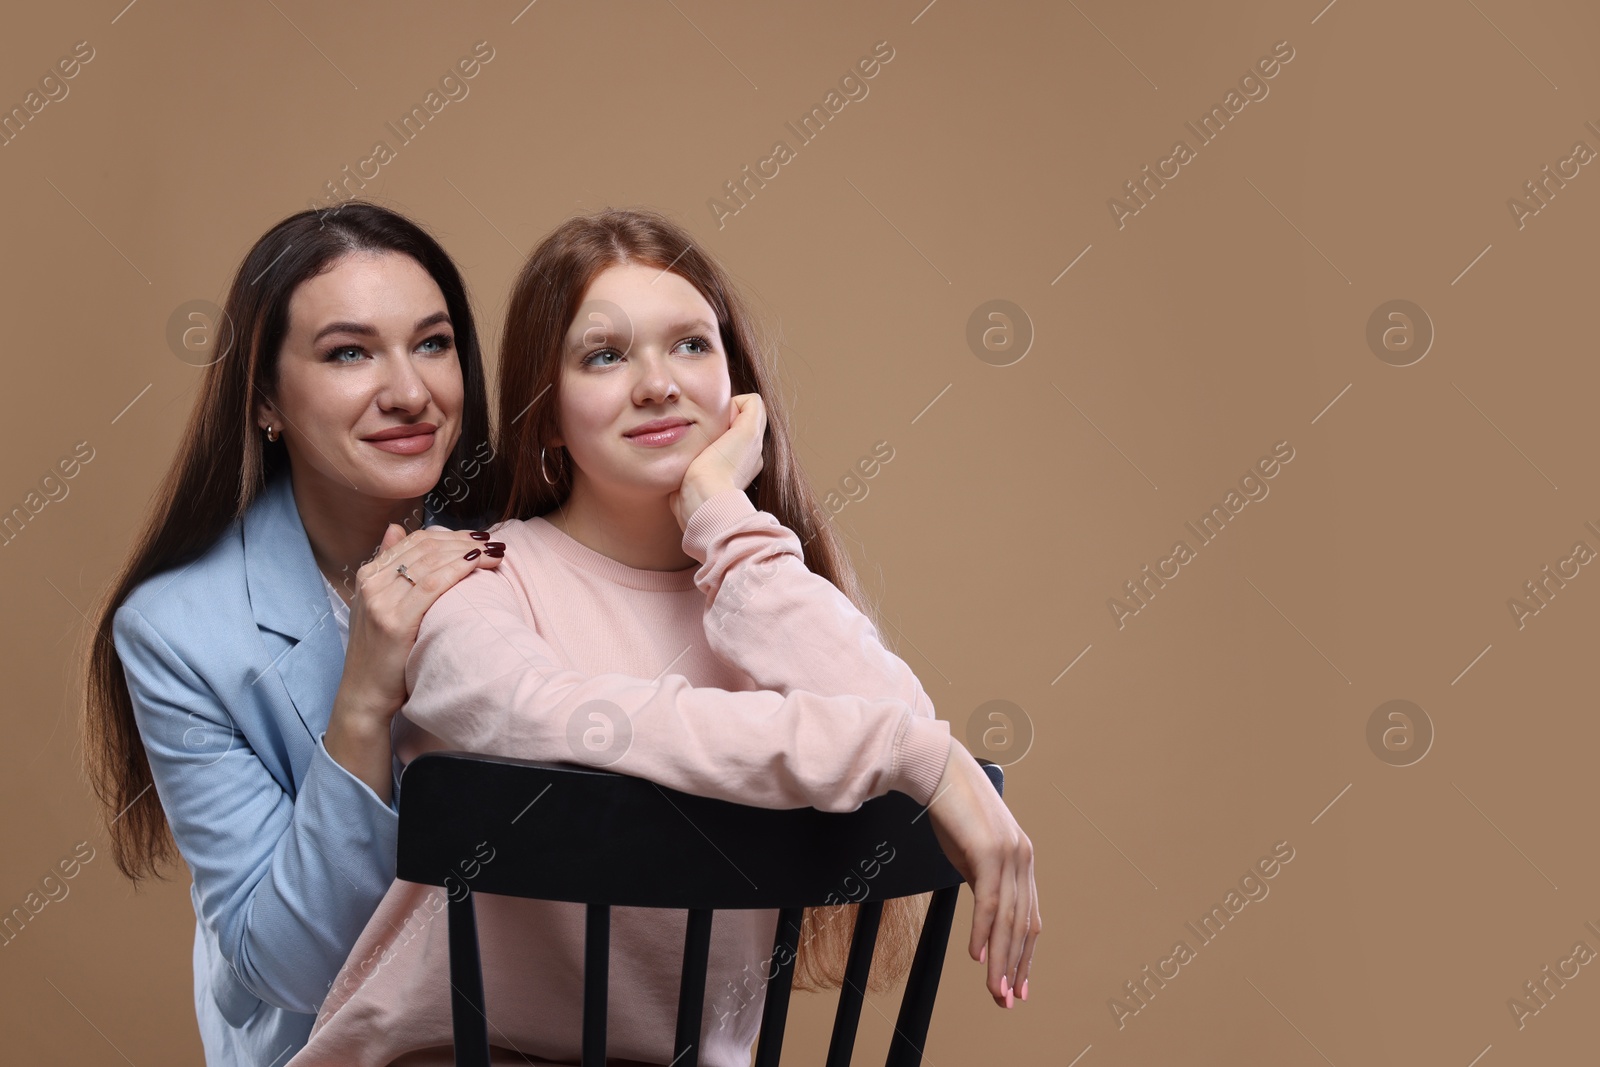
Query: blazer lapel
pixel 287 596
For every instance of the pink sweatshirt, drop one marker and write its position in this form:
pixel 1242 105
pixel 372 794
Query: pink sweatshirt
pixel 748 678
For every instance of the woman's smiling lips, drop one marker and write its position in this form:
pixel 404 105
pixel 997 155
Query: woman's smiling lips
pixel 405 440
pixel 658 432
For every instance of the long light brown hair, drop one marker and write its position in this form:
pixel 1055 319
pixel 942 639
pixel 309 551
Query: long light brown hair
pixel 547 295
pixel 222 465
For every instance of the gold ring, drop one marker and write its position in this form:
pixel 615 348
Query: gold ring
pixel 401 570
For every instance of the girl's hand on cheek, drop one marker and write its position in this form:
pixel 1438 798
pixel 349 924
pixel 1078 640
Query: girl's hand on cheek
pixel 741 443
pixel 731 461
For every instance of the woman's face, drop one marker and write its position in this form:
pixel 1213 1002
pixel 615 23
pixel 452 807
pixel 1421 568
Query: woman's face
pixel 369 389
pixel 644 347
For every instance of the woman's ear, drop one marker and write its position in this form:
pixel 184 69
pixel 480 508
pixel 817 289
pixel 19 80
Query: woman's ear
pixel 267 415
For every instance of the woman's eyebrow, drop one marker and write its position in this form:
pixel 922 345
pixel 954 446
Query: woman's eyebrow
pixel 367 330
pixel 345 327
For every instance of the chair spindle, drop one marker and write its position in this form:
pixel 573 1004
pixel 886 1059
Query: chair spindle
pixel 467 1010
pixel 692 987
pixel 848 1015
pixel 775 1010
pixel 596 980
pixel 922 983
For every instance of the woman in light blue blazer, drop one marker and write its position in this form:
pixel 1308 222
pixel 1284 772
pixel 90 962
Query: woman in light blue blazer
pixel 250 656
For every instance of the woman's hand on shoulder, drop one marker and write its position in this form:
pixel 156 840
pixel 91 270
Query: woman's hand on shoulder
pixel 984 843
pixel 385 616
pixel 386 612
pixel 730 461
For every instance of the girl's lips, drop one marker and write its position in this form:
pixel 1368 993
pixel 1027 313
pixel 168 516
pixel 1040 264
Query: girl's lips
pixel 406 446
pixel 661 437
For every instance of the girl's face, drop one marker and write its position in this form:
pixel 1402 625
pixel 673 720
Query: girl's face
pixel 643 348
pixel 369 390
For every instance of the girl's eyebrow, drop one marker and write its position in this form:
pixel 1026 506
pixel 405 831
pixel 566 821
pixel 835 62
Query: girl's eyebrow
pixel 603 335
pixel 597 335
pixel 687 325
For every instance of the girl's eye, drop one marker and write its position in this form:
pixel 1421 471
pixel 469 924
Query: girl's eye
pixel 699 346
pixel 335 355
pixel 440 343
pixel 593 356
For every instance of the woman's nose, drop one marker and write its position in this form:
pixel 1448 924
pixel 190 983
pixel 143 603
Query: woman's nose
pixel 402 386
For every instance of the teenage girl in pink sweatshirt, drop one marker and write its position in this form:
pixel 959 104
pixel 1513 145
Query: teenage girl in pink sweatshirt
pixel 662 613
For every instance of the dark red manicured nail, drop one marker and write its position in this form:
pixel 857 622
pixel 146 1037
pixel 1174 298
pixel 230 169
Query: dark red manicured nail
pixel 495 544
pixel 474 554
pixel 480 535
pixel 494 553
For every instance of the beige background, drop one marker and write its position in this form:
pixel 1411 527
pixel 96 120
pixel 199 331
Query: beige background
pixel 1227 316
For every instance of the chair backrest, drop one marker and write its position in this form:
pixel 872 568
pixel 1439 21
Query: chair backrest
pixel 627 842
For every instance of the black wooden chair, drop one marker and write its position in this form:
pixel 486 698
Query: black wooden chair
pixel 627 842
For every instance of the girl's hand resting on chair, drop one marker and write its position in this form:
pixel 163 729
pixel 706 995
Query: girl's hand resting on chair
pixel 984 843
pixel 973 825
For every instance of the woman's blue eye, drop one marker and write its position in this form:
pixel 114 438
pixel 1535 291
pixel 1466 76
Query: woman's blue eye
pixel 705 346
pixel 592 356
pixel 444 342
pixel 334 354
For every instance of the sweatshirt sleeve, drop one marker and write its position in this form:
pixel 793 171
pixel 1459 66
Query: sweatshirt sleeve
pixel 483 679
pixel 774 618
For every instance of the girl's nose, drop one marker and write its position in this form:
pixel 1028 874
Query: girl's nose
pixel 656 383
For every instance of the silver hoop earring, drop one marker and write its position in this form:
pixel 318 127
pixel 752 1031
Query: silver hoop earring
pixel 272 434
pixel 548 480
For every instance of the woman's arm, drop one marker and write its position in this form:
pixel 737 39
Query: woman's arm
pixel 287 883
pixel 384 616
pixel 771 616
pixel 483 679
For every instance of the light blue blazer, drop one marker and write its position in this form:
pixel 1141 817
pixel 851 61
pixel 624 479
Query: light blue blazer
pixel 232 663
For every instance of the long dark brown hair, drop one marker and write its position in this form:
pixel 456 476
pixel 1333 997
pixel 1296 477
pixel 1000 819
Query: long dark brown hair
pixel 547 295
pixel 224 462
